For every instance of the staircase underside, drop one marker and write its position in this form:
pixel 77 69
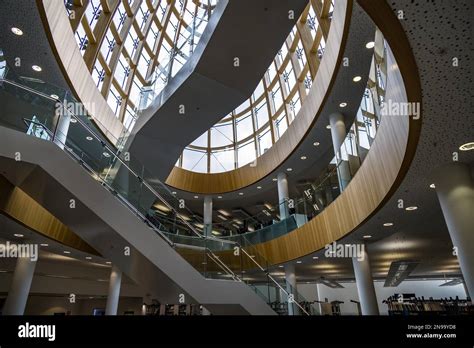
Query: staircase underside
pixel 210 85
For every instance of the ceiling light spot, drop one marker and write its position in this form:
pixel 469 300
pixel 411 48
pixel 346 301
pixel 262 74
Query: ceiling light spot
pixel 343 105
pixel 289 169
pixel 367 236
pixel 36 68
pixel 411 208
pixel 44 244
pixel 66 252
pixel 17 31
pixel 89 138
pixel 388 224
pixel 54 96
pixel 196 197
pixel 299 262
pixel 18 235
pixel 241 193
pixel 304 158
pixel 106 154
pixel 274 179
pixel 88 258
pixel 357 78
pixel 316 143
pixel 467 147
pixel 370 45
pixel 219 197
pixel 259 187
pixel 432 186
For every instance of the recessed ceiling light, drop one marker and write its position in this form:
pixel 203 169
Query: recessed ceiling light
pixel 274 179
pixel 174 192
pixel 281 266
pixel 289 169
pixel 467 146
pixel 106 154
pixel 219 197
pixel 367 236
pixel 196 197
pixel 66 252
pixel 17 31
pixel 36 68
pixel 89 138
pixel 54 96
pixel 259 187
pixel 303 157
pixel 44 244
pixel 370 44
pixel 18 235
pixel 108 262
pixel 357 78
pixel 299 261
pixel 315 257
pixel 241 193
pixel 73 120
pixel 343 105
pixel 88 258
pixel 432 186
pixel 411 208
pixel 388 224
pixel 316 143
pixel 328 126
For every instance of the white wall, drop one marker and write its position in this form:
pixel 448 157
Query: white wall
pixel 428 288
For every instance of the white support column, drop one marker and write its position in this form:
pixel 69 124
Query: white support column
pixel 114 291
pixel 62 126
pixel 365 285
pixel 207 216
pixel 455 190
pixel 20 287
pixel 317 305
pixel 290 277
pixel 338 134
pixel 283 195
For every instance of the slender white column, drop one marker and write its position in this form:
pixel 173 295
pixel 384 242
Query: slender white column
pixel 283 195
pixel 207 215
pixel 455 190
pixel 62 127
pixel 290 277
pixel 365 285
pixel 338 134
pixel 114 291
pixel 20 287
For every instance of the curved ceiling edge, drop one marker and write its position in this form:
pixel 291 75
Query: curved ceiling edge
pixel 61 39
pixel 17 205
pixel 397 139
pixel 249 174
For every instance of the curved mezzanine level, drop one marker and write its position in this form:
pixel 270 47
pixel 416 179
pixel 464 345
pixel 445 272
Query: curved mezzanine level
pixel 295 245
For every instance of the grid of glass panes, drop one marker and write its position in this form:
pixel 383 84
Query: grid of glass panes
pixel 261 120
pixel 143 32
